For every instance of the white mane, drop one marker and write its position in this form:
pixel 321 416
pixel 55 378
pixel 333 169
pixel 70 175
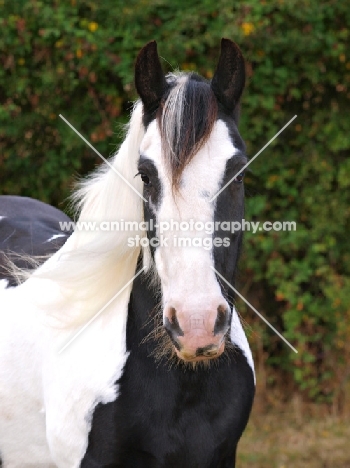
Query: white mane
pixel 93 266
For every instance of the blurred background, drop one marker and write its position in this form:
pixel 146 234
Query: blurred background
pixel 76 58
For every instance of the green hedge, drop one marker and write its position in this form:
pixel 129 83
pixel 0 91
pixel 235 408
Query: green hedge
pixel 76 58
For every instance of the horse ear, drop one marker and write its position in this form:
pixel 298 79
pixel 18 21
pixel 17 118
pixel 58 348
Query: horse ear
pixel 229 77
pixel 149 77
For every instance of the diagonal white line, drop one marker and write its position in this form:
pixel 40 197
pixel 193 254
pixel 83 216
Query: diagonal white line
pixel 254 309
pixel 103 158
pixel 251 160
pixel 100 311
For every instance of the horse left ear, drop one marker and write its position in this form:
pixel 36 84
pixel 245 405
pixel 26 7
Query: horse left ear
pixel 149 77
pixel 229 77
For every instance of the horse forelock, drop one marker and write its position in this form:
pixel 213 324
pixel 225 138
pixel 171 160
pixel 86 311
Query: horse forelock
pixel 186 119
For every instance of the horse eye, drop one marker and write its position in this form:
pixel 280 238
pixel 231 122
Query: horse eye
pixel 145 179
pixel 239 178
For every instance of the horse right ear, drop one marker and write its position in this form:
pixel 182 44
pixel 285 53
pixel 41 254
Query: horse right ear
pixel 229 77
pixel 149 77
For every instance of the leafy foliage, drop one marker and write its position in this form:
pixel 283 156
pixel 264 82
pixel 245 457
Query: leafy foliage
pixel 75 58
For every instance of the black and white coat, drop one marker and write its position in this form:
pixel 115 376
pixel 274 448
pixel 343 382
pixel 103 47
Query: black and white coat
pixel 113 397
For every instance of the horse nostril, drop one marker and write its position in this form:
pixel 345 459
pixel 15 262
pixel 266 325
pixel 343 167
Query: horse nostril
pixel 222 320
pixel 207 351
pixel 172 325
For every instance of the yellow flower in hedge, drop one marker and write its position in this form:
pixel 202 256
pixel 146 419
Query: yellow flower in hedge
pixel 248 28
pixel 79 53
pixel 21 61
pixel 93 26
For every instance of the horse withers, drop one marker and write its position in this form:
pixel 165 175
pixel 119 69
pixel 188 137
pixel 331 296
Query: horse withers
pixel 124 349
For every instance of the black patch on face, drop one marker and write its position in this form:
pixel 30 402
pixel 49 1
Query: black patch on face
pixel 230 207
pixel 152 193
pixel 151 190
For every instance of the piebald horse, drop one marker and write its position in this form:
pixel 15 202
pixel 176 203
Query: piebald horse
pixel 124 349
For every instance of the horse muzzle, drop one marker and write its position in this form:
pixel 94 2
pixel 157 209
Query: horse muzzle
pixel 197 336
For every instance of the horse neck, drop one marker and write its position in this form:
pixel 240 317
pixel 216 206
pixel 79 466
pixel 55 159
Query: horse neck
pixel 142 310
